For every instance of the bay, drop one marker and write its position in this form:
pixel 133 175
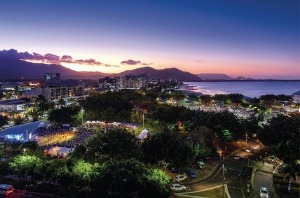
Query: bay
pixel 246 88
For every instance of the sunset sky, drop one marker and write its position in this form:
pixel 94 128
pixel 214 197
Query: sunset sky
pixel 252 38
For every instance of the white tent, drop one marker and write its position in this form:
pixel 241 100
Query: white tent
pixel 116 123
pixel 143 134
pixel 60 151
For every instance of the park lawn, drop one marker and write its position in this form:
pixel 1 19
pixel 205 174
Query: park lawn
pixel 152 129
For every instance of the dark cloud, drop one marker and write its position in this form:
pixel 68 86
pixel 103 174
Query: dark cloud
pixel 14 54
pixel 130 62
pixel 66 59
pixel 90 61
pixel 49 58
pixel 133 62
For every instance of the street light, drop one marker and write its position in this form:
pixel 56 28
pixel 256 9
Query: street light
pixel 143 116
pixel 82 112
pixel 246 138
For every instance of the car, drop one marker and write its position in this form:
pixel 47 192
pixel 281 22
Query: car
pixel 177 187
pixel 180 178
pixel 6 189
pixel 263 192
pixel 201 164
pixel 236 157
pixel 175 170
pixel 191 173
pixel 249 150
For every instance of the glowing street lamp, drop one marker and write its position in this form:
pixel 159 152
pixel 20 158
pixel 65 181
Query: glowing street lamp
pixel 82 112
pixel 143 116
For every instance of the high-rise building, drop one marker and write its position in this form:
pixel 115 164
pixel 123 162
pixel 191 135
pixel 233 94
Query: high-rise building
pixel 133 81
pixel 62 90
pixel 108 83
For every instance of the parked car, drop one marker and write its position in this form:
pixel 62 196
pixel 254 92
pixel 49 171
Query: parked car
pixel 236 157
pixel 180 178
pixel 6 189
pixel 177 187
pixel 263 192
pixel 191 173
pixel 201 164
pixel 249 150
pixel 175 170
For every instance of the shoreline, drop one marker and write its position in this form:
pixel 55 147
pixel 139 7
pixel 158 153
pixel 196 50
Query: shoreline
pixel 249 89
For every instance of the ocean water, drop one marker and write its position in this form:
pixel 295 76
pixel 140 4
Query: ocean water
pixel 246 88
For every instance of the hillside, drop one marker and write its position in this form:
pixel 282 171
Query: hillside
pixel 212 76
pixel 18 69
pixel 13 69
pixel 165 74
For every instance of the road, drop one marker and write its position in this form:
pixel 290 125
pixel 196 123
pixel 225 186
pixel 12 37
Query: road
pixel 264 178
pixel 232 174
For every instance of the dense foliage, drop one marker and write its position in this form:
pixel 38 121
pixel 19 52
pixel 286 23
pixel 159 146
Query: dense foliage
pixel 65 115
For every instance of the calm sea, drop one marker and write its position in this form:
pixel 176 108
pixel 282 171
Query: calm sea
pixel 247 88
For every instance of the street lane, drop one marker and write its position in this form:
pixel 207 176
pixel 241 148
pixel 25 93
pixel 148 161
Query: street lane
pixel 263 179
pixel 232 174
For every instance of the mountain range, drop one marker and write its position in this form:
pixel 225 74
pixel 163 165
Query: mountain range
pixel 14 69
pixel 217 76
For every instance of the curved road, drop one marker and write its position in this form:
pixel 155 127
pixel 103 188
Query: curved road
pixel 264 178
pixel 232 174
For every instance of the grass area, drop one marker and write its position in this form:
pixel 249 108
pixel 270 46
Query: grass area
pixel 152 128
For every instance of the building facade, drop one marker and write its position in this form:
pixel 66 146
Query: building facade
pixel 108 83
pixel 133 81
pixel 61 90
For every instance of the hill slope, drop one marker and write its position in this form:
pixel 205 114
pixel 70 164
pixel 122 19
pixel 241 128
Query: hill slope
pixel 165 74
pixel 18 69
pixel 212 76
pixel 13 69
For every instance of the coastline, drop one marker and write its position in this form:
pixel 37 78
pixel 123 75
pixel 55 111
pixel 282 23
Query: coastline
pixel 250 89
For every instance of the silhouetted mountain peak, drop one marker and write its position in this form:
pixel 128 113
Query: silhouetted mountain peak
pixel 164 74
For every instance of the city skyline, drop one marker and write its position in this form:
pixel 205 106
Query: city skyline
pixel 252 39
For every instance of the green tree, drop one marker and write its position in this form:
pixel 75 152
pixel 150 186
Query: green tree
pixel 32 148
pixel 169 147
pixel 201 139
pixel 116 143
pixel 3 120
pixel 126 176
pixel 155 184
pixel 65 115
pixel 206 100
pixel 4 168
pixel 168 116
pixel 41 103
pixel 59 171
pixel 84 172
pixel 236 99
pixel 283 134
pixel 25 165
pixel 109 106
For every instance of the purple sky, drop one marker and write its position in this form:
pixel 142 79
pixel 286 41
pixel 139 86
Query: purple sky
pixel 250 38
